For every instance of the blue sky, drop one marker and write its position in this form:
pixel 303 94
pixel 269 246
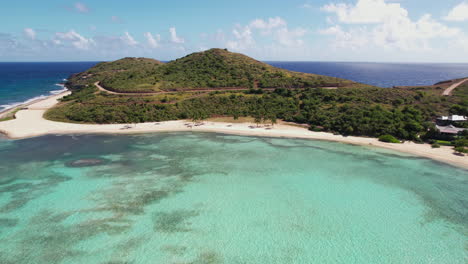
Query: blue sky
pixel 295 30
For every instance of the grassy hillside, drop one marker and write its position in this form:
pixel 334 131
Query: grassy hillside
pixel 106 70
pixel 215 68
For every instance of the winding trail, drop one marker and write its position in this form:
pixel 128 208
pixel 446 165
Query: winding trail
pixel 191 90
pixel 448 91
pixel 168 92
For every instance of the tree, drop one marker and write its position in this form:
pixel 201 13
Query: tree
pixel 257 120
pixel 273 120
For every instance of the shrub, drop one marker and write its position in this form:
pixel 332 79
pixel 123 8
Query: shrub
pixel 315 128
pixel 443 143
pixel 389 139
pixel 461 150
pixel 435 145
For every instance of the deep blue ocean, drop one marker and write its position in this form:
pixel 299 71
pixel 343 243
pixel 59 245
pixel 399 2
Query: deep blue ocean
pixel 20 82
pixel 382 74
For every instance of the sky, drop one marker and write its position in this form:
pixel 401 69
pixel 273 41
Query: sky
pixel 268 30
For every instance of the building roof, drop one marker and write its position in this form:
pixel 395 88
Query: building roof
pixel 453 118
pixel 449 129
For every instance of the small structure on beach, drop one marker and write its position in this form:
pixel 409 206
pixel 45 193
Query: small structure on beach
pixel 449 132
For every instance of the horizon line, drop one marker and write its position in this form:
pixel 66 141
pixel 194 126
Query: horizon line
pixel 265 61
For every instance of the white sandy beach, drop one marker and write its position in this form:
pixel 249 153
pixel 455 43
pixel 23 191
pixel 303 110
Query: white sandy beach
pixel 30 123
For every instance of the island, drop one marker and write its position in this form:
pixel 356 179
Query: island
pixel 220 91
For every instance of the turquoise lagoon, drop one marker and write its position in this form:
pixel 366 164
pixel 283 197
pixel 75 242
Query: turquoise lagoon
pixel 212 198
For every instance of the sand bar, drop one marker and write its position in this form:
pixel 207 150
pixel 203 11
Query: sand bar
pixel 30 123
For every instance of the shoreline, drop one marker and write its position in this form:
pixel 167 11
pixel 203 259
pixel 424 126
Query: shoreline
pixel 33 100
pixel 30 123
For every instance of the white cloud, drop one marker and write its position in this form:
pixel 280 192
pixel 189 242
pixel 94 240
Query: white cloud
pixel 80 7
pixel 268 25
pixel 128 39
pixel 174 38
pixel 75 39
pixel 352 39
pixel 290 38
pixel 458 13
pixel 243 39
pixel 366 11
pixel 153 41
pixel 384 25
pixel 275 28
pixel 30 33
pixel 307 6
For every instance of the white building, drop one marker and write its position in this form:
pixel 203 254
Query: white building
pixel 453 118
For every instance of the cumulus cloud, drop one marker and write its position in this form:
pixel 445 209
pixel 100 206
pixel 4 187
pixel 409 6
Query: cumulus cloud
pixel 385 25
pixel 366 11
pixel 243 39
pixel 353 39
pixel 80 7
pixel 174 38
pixel 276 28
pixel 73 45
pixel 459 13
pixel 30 33
pixel 128 39
pixel 153 41
pixel 73 38
pixel 290 38
pixel 269 24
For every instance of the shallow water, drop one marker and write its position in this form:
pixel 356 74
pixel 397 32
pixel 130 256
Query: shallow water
pixel 211 198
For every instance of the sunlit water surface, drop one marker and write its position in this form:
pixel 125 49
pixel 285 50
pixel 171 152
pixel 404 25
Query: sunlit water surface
pixel 210 198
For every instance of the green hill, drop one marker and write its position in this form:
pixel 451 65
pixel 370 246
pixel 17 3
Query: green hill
pixel 215 68
pixel 361 110
pixel 107 70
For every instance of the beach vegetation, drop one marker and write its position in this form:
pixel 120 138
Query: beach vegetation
pixel 461 145
pixel 461 150
pixel 10 115
pixel 388 139
pixel 443 142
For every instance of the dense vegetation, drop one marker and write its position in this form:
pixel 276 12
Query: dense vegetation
pixel 461 105
pixel 215 68
pixel 403 113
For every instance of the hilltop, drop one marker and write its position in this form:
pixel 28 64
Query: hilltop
pixel 214 68
pixel 107 70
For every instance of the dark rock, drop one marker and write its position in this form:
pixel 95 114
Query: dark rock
pixel 85 163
